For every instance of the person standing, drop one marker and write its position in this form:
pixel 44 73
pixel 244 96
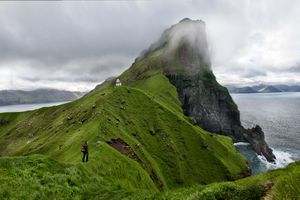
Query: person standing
pixel 85 151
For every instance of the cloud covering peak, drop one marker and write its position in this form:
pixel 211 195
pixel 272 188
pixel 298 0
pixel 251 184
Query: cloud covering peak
pixel 76 45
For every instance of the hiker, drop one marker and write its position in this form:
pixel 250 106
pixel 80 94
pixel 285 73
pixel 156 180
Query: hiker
pixel 85 151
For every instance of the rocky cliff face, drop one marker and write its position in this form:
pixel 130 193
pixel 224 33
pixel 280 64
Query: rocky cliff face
pixel 208 103
pixel 213 109
pixel 182 55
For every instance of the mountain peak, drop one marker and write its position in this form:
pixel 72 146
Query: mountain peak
pixel 182 48
pixel 191 20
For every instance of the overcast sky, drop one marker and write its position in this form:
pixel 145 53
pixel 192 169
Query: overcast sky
pixel 75 45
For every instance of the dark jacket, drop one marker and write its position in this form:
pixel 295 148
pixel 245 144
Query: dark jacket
pixel 86 148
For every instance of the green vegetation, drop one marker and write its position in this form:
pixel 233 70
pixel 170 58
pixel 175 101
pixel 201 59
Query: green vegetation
pixel 276 184
pixel 171 158
pixel 147 116
pixel 40 177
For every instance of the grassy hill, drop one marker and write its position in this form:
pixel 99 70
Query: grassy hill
pixel 165 156
pixel 160 148
pixel 280 184
pixel 40 177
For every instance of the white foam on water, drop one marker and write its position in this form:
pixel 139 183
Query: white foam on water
pixel 241 144
pixel 283 158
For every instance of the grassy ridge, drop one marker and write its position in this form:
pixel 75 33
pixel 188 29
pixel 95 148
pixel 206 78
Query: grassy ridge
pixel 176 160
pixel 40 177
pixel 280 184
pixel 147 116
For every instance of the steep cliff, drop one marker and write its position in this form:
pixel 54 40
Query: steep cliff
pixel 182 55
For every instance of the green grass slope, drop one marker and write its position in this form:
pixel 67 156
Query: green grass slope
pixel 168 151
pixel 280 184
pixel 41 177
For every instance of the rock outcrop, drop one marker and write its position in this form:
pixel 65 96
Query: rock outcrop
pixel 182 54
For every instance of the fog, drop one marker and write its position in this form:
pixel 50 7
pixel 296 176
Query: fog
pixel 75 45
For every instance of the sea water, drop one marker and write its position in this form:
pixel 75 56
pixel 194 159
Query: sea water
pixel 27 107
pixel 279 116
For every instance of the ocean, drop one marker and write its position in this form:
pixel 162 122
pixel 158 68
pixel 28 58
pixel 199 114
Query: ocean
pixel 27 107
pixel 279 116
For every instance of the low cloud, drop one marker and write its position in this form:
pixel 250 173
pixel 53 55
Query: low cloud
pixel 76 45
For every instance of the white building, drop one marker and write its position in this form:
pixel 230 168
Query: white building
pixel 118 83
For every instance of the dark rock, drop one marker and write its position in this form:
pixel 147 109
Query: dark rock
pixel 256 138
pixel 208 103
pixel 213 109
pixel 121 146
pixel 193 121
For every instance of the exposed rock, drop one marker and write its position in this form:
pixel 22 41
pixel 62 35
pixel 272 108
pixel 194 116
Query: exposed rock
pixel 208 103
pixel 124 148
pixel 185 61
pixel 214 110
pixel 193 121
pixel 256 138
